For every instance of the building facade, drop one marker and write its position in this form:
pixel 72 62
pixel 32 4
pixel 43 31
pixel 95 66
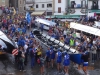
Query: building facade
pixel 21 6
pixel 4 3
pixel 93 6
pixel 29 5
pixel 60 7
pixel 13 3
pixel 76 7
pixel 83 7
pixel 44 5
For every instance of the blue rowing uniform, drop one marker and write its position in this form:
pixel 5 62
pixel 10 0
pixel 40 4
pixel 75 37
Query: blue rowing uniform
pixel 59 57
pixel 48 53
pixel 52 54
pixel 66 60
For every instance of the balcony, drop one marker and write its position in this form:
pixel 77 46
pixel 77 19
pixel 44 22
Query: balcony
pixel 30 2
pixel 95 7
pixel 78 7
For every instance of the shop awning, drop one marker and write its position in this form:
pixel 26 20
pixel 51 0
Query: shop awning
pixel 94 11
pixel 37 13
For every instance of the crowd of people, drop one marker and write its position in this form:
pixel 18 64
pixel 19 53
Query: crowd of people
pixel 16 27
pixel 89 21
pixel 81 41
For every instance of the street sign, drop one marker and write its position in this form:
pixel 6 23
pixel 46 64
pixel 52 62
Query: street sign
pixel 15 52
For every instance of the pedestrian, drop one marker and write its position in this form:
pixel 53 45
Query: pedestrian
pixel 48 57
pixel 85 58
pixel 42 60
pixel 52 56
pixel 32 56
pixel 21 59
pixel 66 63
pixel 59 59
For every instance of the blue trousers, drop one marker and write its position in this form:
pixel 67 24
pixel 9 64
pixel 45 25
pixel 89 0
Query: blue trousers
pixel 32 62
pixel 21 66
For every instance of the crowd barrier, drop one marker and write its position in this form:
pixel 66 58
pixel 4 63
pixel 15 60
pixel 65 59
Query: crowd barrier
pixel 94 57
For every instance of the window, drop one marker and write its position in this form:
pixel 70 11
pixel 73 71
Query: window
pixel 20 1
pixel 73 4
pixel 42 5
pixel 94 4
pixel 24 8
pixel 49 13
pixel 59 9
pixel 83 3
pixel 59 1
pixel 49 5
pixel 36 5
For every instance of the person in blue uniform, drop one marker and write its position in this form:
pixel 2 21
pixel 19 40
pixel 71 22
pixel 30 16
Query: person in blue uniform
pixel 66 62
pixel 59 59
pixel 48 57
pixel 85 58
pixel 52 56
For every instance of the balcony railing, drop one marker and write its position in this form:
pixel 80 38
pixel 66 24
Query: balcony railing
pixel 95 8
pixel 70 7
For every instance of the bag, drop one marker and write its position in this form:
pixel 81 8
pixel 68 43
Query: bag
pixel 38 61
pixel 21 59
pixel 23 55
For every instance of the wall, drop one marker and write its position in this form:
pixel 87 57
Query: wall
pixel 63 5
pixel 21 5
pixel 4 3
pixel 45 2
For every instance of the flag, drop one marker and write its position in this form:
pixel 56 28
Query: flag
pixel 28 17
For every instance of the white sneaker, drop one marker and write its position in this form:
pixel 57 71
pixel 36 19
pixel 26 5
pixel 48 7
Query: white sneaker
pixel 81 71
pixel 20 70
pixel 87 74
pixel 66 74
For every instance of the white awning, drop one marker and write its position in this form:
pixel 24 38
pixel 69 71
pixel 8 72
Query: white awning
pixel 84 28
pixel 37 13
pixel 46 22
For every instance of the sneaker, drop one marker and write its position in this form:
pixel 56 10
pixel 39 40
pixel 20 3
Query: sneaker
pixel 24 70
pixel 66 74
pixel 81 71
pixel 20 70
pixel 87 74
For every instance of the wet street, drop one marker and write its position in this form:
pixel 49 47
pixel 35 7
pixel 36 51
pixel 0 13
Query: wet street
pixel 8 68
